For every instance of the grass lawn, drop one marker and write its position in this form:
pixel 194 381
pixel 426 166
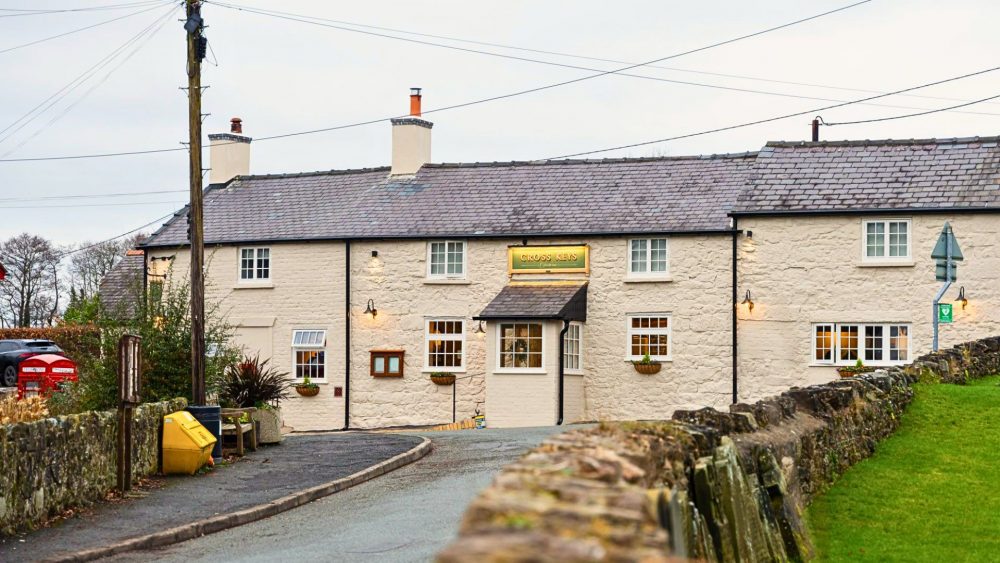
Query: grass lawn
pixel 932 490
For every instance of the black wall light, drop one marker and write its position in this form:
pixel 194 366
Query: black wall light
pixel 371 310
pixel 961 297
pixel 748 302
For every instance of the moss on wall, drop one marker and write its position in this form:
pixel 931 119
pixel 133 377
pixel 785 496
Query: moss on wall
pixel 50 465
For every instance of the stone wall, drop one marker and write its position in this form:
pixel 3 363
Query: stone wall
pixel 49 465
pixel 710 485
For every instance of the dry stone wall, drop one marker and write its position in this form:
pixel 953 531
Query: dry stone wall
pixel 708 485
pixel 49 465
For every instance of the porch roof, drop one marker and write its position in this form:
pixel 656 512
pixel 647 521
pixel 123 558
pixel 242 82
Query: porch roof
pixel 565 301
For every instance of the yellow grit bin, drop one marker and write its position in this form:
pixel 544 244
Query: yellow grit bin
pixel 187 445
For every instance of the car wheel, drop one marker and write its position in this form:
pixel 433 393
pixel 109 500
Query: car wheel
pixel 10 377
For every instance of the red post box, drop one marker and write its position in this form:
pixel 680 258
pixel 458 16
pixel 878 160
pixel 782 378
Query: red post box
pixel 39 376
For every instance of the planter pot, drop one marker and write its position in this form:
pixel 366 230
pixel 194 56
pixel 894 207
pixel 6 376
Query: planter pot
pixel 307 391
pixel 852 371
pixel 443 379
pixel 647 369
pixel 268 425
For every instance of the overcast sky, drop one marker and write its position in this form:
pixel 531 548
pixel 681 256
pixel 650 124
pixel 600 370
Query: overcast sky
pixel 284 76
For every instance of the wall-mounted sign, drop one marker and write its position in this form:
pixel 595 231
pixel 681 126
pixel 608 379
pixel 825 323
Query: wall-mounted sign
pixel 945 314
pixel 548 259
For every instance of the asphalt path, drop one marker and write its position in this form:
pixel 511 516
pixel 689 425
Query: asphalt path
pixel 407 515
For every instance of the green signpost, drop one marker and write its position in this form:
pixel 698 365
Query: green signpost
pixel 944 313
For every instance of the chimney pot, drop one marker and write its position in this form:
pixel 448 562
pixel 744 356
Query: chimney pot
pixel 415 102
pixel 236 125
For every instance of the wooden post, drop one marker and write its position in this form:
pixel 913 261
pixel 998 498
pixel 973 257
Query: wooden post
pixel 129 383
pixel 195 225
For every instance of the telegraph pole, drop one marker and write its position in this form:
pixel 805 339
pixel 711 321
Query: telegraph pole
pixel 196 232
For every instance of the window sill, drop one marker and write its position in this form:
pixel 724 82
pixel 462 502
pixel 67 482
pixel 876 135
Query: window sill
pixel 850 365
pixel 662 360
pixel 519 371
pixel 446 281
pixel 574 372
pixel 648 279
pixel 254 285
pixel 316 381
pixel 886 264
pixel 443 370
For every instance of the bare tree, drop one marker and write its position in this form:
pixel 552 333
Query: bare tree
pixel 30 294
pixel 89 265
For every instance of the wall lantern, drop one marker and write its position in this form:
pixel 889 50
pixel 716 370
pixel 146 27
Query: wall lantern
pixel 374 253
pixel 748 302
pixel 371 310
pixel 479 329
pixel 961 297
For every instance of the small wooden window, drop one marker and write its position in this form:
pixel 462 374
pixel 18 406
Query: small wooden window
pixel 387 363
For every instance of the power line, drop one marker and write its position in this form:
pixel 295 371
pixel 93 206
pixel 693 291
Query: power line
pixel 66 90
pixel 75 205
pixel 37 41
pixel 133 231
pixel 928 112
pixel 91 196
pixel 777 118
pixel 30 12
pixel 297 18
pixel 475 102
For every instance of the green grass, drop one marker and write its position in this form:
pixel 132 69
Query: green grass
pixel 932 490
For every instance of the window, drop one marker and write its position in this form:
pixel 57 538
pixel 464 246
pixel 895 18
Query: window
pixel 647 257
pixel 387 363
pixel 573 348
pixel 446 259
pixel 255 264
pixel 649 334
pixel 309 354
pixel 445 345
pixel 887 240
pixel 520 346
pixel 875 344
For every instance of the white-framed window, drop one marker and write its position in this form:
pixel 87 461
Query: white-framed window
pixel 874 343
pixel 446 259
pixel 309 354
pixel 648 257
pixel 444 345
pixel 255 264
pixel 520 347
pixel 573 348
pixel 886 240
pixel 649 334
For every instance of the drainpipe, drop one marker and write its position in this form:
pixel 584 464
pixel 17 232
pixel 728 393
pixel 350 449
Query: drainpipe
pixel 736 236
pixel 562 370
pixel 347 335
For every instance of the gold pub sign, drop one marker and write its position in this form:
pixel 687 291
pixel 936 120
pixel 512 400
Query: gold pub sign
pixel 560 259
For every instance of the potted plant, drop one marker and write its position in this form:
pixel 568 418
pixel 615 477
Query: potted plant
pixel 858 368
pixel 442 378
pixel 307 388
pixel 251 382
pixel 647 365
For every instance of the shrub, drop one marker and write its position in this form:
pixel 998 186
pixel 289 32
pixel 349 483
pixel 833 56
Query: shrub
pixel 251 382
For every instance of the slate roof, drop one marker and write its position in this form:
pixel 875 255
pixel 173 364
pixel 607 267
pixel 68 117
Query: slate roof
pixel 874 175
pixel 567 197
pixel 119 284
pixel 534 300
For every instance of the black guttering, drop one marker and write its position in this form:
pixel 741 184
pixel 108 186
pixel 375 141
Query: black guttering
pixel 347 335
pixel 866 211
pixel 562 370
pixel 734 317
pixel 467 236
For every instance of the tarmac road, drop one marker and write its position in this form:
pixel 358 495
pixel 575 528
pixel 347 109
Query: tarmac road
pixel 407 515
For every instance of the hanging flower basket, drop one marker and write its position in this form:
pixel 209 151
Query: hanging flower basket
pixel 851 371
pixel 307 388
pixel 443 378
pixel 647 369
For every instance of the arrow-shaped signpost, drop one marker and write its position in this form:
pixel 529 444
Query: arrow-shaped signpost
pixel 946 252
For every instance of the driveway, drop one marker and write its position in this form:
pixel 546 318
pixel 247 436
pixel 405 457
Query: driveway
pixel 407 515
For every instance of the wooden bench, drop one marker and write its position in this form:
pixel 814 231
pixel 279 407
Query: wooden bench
pixel 231 426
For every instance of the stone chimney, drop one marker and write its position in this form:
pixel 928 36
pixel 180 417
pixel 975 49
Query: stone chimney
pixel 229 154
pixel 411 139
